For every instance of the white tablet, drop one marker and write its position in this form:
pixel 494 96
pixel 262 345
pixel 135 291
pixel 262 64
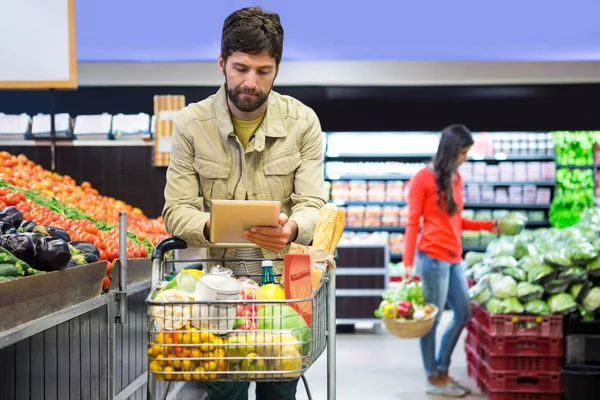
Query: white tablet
pixel 230 218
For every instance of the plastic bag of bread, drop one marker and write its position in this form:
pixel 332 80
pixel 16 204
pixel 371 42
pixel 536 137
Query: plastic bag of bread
pixel 329 229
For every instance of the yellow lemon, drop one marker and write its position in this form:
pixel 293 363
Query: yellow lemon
pixel 272 291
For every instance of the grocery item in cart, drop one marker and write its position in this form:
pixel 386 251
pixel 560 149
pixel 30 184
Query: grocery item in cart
pixel 215 317
pixel 171 317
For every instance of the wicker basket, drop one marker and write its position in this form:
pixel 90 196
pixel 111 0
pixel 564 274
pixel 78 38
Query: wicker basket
pixel 412 328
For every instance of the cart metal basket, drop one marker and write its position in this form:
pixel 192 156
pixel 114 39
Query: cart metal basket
pixel 233 338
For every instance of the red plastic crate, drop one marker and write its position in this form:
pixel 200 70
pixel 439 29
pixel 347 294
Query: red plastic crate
pixel 473 366
pixel 529 346
pixel 518 325
pixel 520 363
pixel 518 345
pixel 521 382
pixel 471 340
pixel 524 396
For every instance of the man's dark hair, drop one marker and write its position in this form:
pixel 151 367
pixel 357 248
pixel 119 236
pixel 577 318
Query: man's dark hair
pixel 252 30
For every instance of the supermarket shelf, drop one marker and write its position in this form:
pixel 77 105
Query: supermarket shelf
pixel 378 157
pixel 371 203
pixel 514 157
pixel 467 205
pixel 385 177
pixel 391 229
pixel 511 183
pixel 538 224
pixel 509 206
pixel 425 156
pixel 391 177
pixel 573 166
pixel 78 143
pixel 474 248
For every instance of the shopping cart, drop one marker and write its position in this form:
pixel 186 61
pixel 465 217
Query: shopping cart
pixel 241 339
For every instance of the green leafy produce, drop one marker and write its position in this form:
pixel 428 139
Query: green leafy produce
pixel 537 307
pixel 523 249
pixel 494 306
pixel 516 273
pixel 574 147
pixel 573 180
pixel 558 259
pixel 504 287
pixel 503 261
pixel 540 274
pixel 567 207
pixel 512 224
pixel 556 286
pixel 500 247
pixel 473 257
pixel 480 293
pixel 573 274
pixel 593 268
pixel 592 300
pixel 562 303
pixel 581 253
pixel 527 291
pixel 529 262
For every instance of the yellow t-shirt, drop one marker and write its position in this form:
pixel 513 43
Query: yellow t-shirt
pixel 244 130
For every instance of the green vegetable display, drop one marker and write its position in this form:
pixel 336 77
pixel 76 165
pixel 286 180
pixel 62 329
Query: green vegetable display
pixel 560 273
pixel 575 186
pixel 575 147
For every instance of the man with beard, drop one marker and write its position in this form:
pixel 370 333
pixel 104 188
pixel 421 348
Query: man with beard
pixel 247 142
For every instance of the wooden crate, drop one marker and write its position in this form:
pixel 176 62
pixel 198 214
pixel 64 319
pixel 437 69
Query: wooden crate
pixel 165 110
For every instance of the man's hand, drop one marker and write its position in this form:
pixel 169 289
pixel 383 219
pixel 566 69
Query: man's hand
pixel 273 239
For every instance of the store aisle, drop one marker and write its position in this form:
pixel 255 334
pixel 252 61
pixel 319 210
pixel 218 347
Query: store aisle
pixel 379 366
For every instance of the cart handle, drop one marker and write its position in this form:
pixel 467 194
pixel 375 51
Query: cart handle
pixel 166 245
pixel 174 243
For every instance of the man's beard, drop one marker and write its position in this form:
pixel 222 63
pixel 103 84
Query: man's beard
pixel 245 103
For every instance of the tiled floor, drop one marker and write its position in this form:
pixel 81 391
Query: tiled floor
pixel 378 366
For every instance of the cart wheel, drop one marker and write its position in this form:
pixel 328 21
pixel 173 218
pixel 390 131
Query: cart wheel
pixel 306 387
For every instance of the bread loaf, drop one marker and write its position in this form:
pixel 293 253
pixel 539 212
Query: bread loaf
pixel 339 230
pixel 325 228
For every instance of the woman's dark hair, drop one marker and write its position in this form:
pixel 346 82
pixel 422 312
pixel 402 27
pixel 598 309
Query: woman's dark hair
pixel 252 30
pixel 454 139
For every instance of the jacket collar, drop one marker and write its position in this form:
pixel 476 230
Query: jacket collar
pixel 271 126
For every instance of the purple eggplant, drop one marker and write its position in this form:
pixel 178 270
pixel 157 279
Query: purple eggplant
pixel 7 228
pixel 27 225
pixel 12 215
pixel 52 254
pixel 20 246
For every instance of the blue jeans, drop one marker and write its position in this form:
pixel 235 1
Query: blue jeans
pixel 443 282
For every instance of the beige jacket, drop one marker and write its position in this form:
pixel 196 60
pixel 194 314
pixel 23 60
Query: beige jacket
pixel 283 162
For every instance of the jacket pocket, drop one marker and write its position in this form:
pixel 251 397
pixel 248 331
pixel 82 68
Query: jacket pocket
pixel 279 176
pixel 213 178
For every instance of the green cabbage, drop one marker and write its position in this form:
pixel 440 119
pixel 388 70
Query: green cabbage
pixel 537 307
pixel 517 273
pixel 592 300
pixel 504 287
pixel 562 303
pixel 527 291
pixel 473 257
pixel 512 224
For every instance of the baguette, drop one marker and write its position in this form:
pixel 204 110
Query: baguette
pixel 339 230
pixel 325 227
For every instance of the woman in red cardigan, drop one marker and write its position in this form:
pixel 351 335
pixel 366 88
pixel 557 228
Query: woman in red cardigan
pixel 436 196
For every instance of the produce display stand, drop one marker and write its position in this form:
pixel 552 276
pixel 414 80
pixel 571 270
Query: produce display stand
pixel 62 338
